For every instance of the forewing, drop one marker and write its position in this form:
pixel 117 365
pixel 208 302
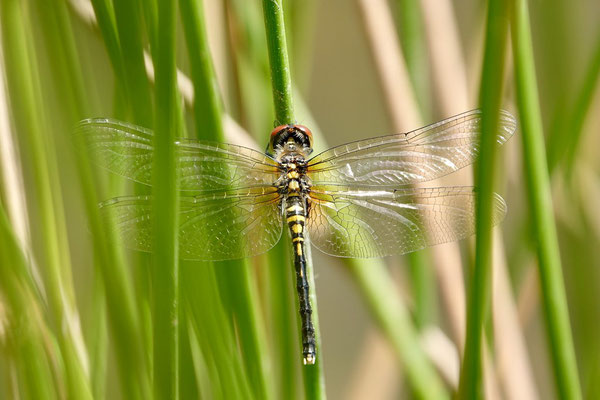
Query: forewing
pixel 363 223
pixel 127 150
pixel 217 226
pixel 418 156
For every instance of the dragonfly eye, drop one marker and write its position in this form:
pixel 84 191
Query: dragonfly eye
pixel 306 133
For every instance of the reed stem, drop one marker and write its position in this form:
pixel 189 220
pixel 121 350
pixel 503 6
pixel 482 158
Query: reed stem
pixel 540 203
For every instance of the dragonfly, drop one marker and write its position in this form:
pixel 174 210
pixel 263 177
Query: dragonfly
pixel 361 199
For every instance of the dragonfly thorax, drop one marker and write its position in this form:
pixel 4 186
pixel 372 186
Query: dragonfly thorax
pixel 293 174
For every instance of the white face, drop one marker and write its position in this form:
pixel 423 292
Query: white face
pixel 291 146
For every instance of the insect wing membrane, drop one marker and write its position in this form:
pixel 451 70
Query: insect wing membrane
pixel 371 222
pixel 127 150
pixel 402 159
pixel 212 226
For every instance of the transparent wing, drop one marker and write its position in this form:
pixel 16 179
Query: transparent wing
pixel 407 158
pixel 127 150
pixel 363 223
pixel 214 226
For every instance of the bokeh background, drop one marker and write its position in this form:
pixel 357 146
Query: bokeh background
pixel 360 68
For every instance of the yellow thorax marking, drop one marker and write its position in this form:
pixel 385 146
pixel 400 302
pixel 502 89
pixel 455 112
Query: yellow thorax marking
pixel 297 228
pixel 294 185
pixel 293 175
pixel 294 218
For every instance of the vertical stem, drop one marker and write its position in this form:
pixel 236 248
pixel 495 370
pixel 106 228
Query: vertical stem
pixel 540 202
pixel 166 198
pixel 470 386
pixel 137 89
pixel 278 60
pixel 207 102
pixel 314 383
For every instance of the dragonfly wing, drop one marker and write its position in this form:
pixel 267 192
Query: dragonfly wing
pixel 213 226
pixel 407 158
pixel 365 223
pixel 127 150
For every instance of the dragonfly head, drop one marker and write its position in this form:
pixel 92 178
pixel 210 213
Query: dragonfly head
pixel 290 139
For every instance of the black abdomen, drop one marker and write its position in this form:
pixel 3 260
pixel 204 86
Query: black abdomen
pixel 295 213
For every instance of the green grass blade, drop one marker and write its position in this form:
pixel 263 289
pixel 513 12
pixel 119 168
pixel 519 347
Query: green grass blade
pixel 540 202
pixel 137 89
pixel 207 102
pixel 105 17
pixel 165 263
pixel 478 296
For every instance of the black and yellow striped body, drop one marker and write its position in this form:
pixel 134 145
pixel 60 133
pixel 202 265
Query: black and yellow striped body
pixel 295 214
pixel 290 145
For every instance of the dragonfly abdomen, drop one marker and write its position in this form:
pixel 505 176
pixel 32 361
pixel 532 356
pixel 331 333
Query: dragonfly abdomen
pixel 296 218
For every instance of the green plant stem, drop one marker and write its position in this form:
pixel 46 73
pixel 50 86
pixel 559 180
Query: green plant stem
pixel 105 18
pixel 278 60
pixel 166 205
pixel 394 320
pixel 470 386
pixel 137 89
pixel 540 202
pixel 314 381
pixel 251 64
pixel 207 102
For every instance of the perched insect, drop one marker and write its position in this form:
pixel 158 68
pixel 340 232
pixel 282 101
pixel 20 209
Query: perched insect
pixel 353 200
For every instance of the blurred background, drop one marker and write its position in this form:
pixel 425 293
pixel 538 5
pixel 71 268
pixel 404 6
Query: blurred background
pixel 360 68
